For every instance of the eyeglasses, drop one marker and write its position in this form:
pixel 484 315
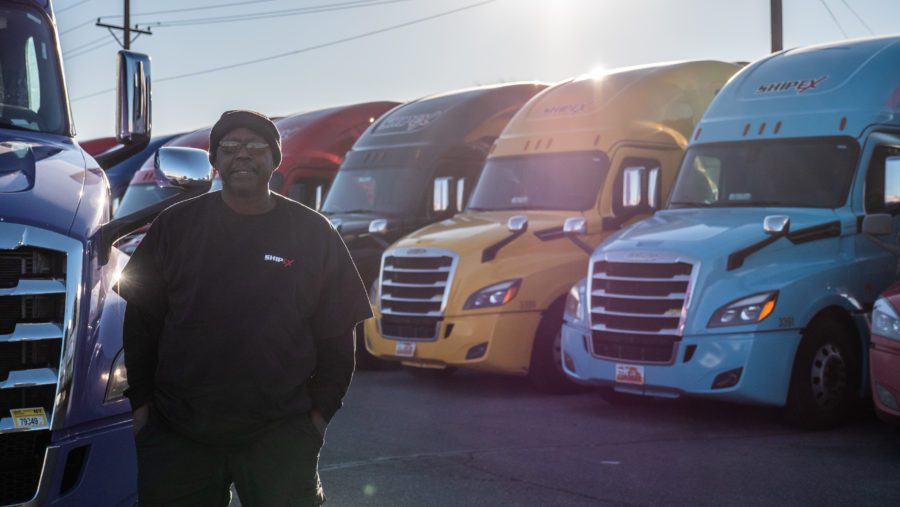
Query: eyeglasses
pixel 254 148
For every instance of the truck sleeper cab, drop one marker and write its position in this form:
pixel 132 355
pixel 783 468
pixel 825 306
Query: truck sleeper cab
pixel 754 284
pixel 484 290
pixel 416 165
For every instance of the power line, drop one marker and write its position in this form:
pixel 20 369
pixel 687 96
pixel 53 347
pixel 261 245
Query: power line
pixel 76 4
pixel 86 44
pixel 326 44
pixel 86 23
pixel 75 54
pixel 858 17
pixel 206 7
pixel 270 14
pixel 308 48
pixel 312 8
pixel 262 15
pixel 838 23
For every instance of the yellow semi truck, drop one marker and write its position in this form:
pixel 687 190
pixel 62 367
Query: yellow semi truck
pixel 486 289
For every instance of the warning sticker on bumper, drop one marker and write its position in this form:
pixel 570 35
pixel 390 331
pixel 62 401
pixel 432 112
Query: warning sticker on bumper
pixel 630 374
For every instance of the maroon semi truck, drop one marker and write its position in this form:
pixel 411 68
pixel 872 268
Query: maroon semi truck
pixel 313 147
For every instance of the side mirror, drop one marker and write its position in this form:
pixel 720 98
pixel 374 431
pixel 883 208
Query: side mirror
pixel 183 167
pixel 518 223
pixel 878 224
pixel 777 225
pixel 460 194
pixel 337 223
pixel 631 186
pixel 378 226
pixel 320 196
pixel 575 226
pixel 653 188
pixel 133 110
pixel 442 194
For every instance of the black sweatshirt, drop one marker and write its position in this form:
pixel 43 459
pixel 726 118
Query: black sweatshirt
pixel 235 322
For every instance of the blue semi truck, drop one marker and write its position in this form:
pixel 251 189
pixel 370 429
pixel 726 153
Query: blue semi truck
pixel 755 283
pixel 65 428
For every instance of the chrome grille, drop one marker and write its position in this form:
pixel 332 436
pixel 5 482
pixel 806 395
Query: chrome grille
pixel 413 291
pixel 637 308
pixel 35 312
pixel 27 263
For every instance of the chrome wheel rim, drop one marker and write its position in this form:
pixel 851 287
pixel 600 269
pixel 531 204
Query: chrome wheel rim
pixel 828 376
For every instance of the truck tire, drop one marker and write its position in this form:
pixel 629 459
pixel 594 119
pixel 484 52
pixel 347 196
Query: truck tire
pixel 825 378
pixel 545 371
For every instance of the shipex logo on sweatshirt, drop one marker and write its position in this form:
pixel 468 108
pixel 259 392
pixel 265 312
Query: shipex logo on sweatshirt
pixel 280 260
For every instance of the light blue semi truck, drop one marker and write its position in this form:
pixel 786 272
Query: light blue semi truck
pixel 753 285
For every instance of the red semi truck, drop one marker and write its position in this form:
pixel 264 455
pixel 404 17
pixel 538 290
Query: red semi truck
pixel 313 146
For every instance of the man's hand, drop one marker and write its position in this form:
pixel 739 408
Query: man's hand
pixel 140 418
pixel 318 421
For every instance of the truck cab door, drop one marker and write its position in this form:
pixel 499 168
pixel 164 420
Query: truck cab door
pixel 877 254
pixel 638 184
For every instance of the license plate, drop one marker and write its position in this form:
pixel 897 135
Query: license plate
pixel 405 349
pixel 29 417
pixel 630 374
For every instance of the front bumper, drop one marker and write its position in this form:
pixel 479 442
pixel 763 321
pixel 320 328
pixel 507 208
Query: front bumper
pixel 107 475
pixel 884 364
pixel 766 360
pixel 508 337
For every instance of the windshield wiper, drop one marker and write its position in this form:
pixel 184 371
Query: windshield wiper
pixel 694 204
pixel 738 204
pixel 352 211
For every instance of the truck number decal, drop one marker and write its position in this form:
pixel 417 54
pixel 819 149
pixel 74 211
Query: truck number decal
pixel 785 322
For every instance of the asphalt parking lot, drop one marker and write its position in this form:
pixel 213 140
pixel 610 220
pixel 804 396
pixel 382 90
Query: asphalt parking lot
pixel 481 440
pixel 474 439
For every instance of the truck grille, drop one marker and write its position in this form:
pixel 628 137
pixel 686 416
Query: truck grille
pixel 21 458
pixel 32 313
pixel 414 286
pixel 636 309
pixel 29 263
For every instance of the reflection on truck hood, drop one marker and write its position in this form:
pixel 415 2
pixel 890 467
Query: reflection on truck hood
pixel 54 176
pixel 709 232
pixel 471 233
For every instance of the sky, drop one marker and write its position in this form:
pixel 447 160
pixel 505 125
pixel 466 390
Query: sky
pixel 348 51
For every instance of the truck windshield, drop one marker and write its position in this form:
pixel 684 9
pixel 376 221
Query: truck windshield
pixel 31 93
pixel 808 173
pixel 551 181
pixel 394 191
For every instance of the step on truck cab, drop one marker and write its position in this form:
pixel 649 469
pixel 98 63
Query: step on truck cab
pixel 416 165
pixel 754 284
pixel 65 428
pixel 484 290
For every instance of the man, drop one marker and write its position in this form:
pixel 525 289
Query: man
pixel 238 335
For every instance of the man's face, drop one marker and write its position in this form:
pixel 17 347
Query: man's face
pixel 245 168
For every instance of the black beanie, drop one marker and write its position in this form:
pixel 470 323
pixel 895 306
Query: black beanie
pixel 257 122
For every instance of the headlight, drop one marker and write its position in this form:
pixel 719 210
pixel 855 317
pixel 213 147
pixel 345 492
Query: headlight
pixel 748 310
pixel 494 295
pixel 118 378
pixel 576 301
pixel 885 321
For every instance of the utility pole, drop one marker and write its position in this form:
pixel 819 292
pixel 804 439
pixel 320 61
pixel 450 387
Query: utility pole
pixel 126 27
pixel 775 13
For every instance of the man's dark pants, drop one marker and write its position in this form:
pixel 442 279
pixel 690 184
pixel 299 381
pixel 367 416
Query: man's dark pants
pixel 277 469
